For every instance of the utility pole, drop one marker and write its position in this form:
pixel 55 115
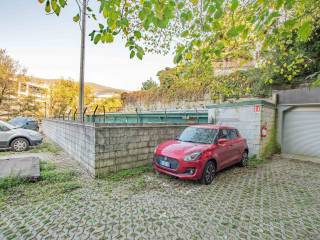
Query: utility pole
pixel 82 58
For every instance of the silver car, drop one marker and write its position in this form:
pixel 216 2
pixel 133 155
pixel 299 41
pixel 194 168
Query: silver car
pixel 18 139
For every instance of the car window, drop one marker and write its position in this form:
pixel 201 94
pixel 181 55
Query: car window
pixel 223 133
pixel 232 134
pixel 33 123
pixel 198 135
pixel 18 121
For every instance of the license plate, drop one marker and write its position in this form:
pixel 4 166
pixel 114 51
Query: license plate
pixel 164 163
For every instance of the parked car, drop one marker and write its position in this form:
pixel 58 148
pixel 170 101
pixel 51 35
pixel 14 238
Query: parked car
pixel 200 151
pixel 18 139
pixel 25 122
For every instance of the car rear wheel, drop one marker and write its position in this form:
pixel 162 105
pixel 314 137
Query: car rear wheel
pixel 209 173
pixel 244 159
pixel 20 144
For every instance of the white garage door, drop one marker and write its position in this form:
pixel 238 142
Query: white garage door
pixel 301 131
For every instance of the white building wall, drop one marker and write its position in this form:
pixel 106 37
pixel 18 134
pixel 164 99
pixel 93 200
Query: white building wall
pixel 248 119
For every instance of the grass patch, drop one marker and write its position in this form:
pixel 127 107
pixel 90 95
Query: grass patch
pixel 10 182
pixel 50 173
pixel 57 176
pixel 138 185
pixel 47 166
pixel 69 187
pixel 46 146
pixel 132 172
pixel 254 161
pixel 52 181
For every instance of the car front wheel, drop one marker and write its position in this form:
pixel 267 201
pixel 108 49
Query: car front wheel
pixel 244 159
pixel 209 173
pixel 19 144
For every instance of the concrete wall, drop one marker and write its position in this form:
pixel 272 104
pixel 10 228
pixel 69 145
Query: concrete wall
pixel 76 139
pixel 248 118
pixel 299 96
pixel 123 147
pixel 102 148
pixel 268 120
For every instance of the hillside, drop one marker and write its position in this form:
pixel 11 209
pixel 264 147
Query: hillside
pixel 97 88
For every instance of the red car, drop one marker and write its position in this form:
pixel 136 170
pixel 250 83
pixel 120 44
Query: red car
pixel 200 151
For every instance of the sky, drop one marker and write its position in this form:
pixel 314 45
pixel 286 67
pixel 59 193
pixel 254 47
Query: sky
pixel 49 47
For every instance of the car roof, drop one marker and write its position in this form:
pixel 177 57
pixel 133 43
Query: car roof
pixel 213 126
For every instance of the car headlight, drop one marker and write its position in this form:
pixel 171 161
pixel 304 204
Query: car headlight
pixel 192 157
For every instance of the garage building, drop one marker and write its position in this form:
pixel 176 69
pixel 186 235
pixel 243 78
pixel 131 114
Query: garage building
pixel 299 122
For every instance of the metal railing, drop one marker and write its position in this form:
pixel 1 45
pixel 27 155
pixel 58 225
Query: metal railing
pixel 114 116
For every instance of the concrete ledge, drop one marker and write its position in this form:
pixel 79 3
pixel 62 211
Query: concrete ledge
pixel 20 167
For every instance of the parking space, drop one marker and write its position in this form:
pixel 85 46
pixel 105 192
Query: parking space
pixel 276 200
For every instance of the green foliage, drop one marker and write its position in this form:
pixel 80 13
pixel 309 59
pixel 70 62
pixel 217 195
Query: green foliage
pixel 151 25
pixel 52 181
pixel 54 176
pixel 11 75
pixel 69 187
pixel 254 161
pixel 49 173
pixel 76 18
pixel 110 104
pixel 316 82
pixel 64 96
pixel 196 81
pixel 127 173
pixel 280 32
pixel 10 72
pixel 149 84
pixel 47 166
pixel 272 146
pixel 291 61
pixel 138 185
pixel 10 182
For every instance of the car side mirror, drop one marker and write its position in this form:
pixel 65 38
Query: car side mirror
pixel 222 141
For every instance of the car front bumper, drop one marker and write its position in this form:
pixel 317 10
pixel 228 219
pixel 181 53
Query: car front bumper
pixel 182 171
pixel 35 142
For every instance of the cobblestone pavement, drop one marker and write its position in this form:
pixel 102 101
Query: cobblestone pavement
pixel 277 200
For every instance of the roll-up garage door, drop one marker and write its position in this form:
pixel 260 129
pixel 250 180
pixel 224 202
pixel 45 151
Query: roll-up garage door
pixel 301 131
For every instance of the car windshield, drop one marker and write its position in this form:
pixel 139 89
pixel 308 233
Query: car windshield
pixel 18 121
pixel 198 135
pixel 2 123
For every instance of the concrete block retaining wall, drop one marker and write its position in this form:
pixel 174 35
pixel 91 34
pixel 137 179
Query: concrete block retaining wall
pixel 103 148
pixel 76 139
pixel 123 147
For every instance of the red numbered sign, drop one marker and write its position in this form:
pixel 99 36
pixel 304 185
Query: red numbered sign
pixel 257 108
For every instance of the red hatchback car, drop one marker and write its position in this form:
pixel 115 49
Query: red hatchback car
pixel 200 151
